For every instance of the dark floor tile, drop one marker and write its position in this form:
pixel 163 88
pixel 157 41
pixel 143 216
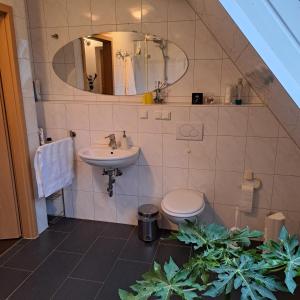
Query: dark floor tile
pixel 48 277
pixel 6 244
pixel 114 230
pixel 124 274
pixel 9 281
pixel 99 260
pixel 165 238
pixel 180 255
pixel 65 225
pixel 136 249
pixel 76 289
pixel 12 251
pixel 83 236
pixel 36 251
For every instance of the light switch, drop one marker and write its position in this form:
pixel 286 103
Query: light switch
pixel 166 115
pixel 189 131
pixel 143 114
pixel 157 115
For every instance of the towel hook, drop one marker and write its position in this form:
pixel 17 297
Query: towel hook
pixel 72 133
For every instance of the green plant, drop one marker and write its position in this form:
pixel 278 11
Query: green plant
pixel 223 261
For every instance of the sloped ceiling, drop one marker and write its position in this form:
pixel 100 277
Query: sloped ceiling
pixel 250 64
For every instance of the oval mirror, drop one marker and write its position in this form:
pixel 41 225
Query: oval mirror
pixel 120 63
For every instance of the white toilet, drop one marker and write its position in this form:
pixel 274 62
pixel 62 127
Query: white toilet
pixel 180 205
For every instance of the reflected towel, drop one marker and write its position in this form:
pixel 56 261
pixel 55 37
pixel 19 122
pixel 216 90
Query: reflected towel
pixel 130 88
pixel 54 166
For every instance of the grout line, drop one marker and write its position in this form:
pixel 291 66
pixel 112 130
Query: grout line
pixel 12 247
pixel 16 269
pixel 87 280
pixel 34 270
pixel 114 264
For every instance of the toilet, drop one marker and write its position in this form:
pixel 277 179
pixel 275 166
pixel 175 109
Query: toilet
pixel 182 204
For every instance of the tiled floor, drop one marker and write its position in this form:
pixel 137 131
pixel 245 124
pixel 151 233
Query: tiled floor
pixel 6 244
pixel 76 259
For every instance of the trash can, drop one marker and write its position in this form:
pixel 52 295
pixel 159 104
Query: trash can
pixel 148 215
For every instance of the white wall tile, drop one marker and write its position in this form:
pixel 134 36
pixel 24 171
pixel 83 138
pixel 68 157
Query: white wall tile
pixel 261 154
pixel 101 117
pixel 207 77
pixel 127 184
pixel 175 178
pixel 208 116
pixel 178 114
pixel 125 118
pixel 39 45
pixel 83 177
pixel 233 121
pixel 254 220
pixel 82 140
pixel 263 195
pixel 286 193
pixel 230 76
pixel 288 158
pixel 150 181
pixel 180 11
pixel 105 208
pixel 262 123
pixel 175 152
pixel 230 153
pixel 225 215
pixel 203 181
pixel 151 149
pixel 203 153
pixel 149 125
pixel 78 116
pixel 206 46
pixel 79 12
pixel 103 12
pixel 228 187
pixel 36 13
pixel 83 205
pixel 127 207
pixel 183 34
pixel 55 13
pixel 154 10
pixel 128 11
pixel 54 115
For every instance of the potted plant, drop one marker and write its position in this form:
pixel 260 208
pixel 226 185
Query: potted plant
pixel 223 261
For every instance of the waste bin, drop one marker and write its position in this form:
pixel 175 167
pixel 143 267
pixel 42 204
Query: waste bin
pixel 148 215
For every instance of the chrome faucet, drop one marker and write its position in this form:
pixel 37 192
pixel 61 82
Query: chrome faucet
pixel 112 141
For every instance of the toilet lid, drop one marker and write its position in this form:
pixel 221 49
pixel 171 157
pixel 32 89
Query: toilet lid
pixel 183 202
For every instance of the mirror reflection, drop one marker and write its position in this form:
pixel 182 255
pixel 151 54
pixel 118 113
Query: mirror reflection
pixel 120 63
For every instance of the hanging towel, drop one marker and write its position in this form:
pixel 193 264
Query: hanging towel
pixel 130 88
pixel 54 166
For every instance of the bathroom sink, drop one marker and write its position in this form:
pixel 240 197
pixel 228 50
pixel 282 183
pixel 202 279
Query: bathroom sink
pixel 105 157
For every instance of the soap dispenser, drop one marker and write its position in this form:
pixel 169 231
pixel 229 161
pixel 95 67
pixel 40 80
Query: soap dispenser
pixel 124 141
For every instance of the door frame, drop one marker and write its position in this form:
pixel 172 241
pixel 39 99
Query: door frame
pixel 13 101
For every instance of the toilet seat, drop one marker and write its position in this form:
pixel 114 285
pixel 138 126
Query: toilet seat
pixel 183 203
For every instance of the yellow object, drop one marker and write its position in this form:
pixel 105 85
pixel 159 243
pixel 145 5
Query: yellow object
pixel 148 98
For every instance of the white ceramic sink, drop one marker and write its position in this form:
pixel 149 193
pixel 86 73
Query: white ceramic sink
pixel 105 157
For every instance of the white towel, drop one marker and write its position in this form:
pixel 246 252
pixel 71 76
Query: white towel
pixel 130 88
pixel 54 166
pixel 246 200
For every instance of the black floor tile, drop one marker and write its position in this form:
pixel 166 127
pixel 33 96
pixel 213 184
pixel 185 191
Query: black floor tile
pixel 136 249
pixel 10 280
pixel 48 277
pixel 99 260
pixel 124 274
pixel 65 225
pixel 12 251
pixel 36 251
pixel 6 244
pixel 114 230
pixel 83 236
pixel 165 238
pixel 180 255
pixel 76 289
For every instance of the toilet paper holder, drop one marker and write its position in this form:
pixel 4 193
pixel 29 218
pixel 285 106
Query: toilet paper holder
pixel 250 179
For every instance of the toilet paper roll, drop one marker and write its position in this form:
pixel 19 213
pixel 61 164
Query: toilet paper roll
pixel 273 225
pixel 246 200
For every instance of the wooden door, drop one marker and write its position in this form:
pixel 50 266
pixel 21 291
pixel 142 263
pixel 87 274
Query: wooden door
pixel 9 219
